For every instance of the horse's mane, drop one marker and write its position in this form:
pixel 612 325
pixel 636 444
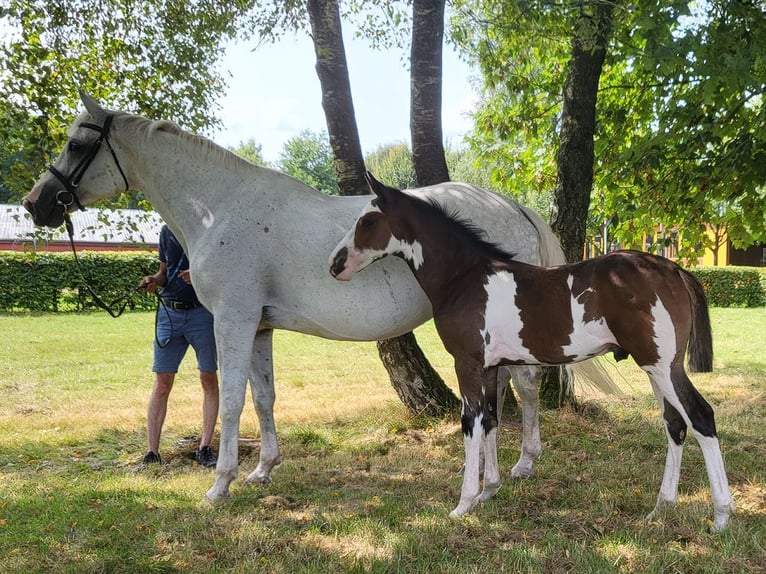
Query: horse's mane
pixel 456 225
pixel 187 141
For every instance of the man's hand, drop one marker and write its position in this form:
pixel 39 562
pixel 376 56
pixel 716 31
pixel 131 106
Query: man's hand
pixel 149 284
pixel 185 276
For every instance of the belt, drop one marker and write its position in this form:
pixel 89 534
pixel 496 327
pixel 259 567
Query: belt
pixel 180 305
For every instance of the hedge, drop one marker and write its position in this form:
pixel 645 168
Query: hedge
pixel 733 286
pixel 52 281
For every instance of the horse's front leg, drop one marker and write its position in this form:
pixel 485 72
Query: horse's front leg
pixel 262 387
pixel 234 341
pixel 493 404
pixel 525 381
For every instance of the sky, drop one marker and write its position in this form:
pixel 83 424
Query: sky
pixel 274 95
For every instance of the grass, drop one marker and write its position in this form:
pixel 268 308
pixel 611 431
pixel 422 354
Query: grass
pixel 365 486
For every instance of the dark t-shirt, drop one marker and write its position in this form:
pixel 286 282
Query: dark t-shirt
pixel 172 254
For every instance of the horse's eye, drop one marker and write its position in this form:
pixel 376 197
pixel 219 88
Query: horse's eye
pixel 74 145
pixel 367 222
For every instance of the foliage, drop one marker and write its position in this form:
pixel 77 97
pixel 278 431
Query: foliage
pixel 362 488
pixel 392 163
pixel 251 151
pixel 679 109
pixel 309 158
pixel 157 58
pixel 52 281
pixel 733 286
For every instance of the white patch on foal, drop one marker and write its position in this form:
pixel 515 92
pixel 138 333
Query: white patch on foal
pixel 588 338
pixel 412 252
pixel 502 322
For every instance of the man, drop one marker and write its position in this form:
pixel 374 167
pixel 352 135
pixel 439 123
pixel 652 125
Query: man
pixel 181 321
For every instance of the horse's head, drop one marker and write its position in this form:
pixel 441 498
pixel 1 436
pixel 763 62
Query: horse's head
pixel 374 235
pixel 84 172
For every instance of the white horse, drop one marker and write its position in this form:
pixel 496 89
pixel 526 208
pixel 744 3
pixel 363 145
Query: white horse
pixel 257 242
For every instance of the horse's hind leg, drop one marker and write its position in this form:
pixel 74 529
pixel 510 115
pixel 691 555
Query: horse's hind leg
pixel 683 407
pixel 262 387
pixel 525 381
pixel 492 409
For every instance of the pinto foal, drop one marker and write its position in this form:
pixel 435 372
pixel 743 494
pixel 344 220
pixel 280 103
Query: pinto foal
pixel 490 310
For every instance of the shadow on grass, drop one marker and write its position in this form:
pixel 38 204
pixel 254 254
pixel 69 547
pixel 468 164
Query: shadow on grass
pixel 350 499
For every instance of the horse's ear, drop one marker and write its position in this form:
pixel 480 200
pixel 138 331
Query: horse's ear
pixel 90 104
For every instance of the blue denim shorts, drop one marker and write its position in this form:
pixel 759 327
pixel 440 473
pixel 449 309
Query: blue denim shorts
pixel 176 330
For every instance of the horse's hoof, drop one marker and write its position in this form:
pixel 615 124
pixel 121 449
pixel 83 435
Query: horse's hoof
pixel 489 491
pixel 258 479
pixel 216 500
pixel 522 472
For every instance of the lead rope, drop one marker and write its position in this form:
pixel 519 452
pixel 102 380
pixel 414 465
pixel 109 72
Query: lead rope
pixel 126 296
pixel 109 308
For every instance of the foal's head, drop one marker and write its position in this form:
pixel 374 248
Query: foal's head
pixel 375 235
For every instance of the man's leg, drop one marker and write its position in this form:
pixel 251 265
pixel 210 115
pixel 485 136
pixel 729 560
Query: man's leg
pixel 158 408
pixel 209 382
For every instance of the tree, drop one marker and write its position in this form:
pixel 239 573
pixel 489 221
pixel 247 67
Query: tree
pixel 251 151
pixel 392 163
pixel 308 157
pixel 338 105
pixel 680 95
pixel 156 58
pixel 425 92
pixel 415 381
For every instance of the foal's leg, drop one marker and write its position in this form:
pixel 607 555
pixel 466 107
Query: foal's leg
pixel 262 387
pixel 473 421
pixel 525 380
pixel 681 400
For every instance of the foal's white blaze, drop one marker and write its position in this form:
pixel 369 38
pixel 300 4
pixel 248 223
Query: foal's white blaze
pixel 502 321
pixel 588 338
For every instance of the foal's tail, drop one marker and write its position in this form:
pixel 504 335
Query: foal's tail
pixel 701 337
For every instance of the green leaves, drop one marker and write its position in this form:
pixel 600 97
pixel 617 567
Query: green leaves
pixel 680 110
pixel 157 58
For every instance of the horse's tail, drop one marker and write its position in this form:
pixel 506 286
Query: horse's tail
pixel 548 245
pixel 592 371
pixel 700 347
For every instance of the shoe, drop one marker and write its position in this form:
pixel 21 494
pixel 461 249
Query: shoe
pixel 206 457
pixel 149 458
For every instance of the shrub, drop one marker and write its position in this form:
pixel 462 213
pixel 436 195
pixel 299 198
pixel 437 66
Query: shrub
pixel 733 286
pixel 52 281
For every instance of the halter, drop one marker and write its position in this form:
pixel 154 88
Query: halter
pixel 67 196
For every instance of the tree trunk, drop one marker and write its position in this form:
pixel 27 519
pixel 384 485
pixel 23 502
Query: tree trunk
pixel 415 381
pixel 426 92
pixel 337 102
pixel 574 177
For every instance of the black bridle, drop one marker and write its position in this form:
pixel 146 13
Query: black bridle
pixel 66 197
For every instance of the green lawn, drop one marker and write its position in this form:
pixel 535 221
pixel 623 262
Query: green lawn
pixel 365 486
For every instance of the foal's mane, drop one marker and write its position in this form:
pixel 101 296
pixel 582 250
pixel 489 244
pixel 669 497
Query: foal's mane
pixel 460 227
